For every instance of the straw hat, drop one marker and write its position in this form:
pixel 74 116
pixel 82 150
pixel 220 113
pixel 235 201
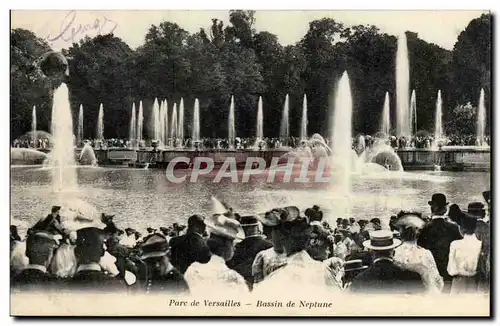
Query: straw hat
pixel 224 226
pixel 381 240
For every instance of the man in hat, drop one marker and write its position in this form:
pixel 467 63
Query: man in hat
pixel 214 278
pixel 51 223
pixel 246 250
pixel 352 268
pixel 40 248
pixel 89 276
pixel 161 276
pixel 438 234
pixel 128 240
pixel 190 247
pixel 384 276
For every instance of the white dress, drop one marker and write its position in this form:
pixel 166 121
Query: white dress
pixel 215 280
pixel 462 264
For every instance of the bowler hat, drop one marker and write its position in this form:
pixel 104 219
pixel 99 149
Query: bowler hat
pixel 476 209
pixel 438 199
pixel 381 240
pixel 155 246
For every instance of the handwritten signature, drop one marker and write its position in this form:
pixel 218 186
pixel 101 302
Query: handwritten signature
pixel 70 31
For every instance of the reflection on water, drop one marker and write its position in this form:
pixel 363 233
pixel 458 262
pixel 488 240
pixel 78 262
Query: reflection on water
pixel 142 198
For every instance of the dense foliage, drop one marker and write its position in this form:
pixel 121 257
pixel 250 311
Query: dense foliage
pixel 214 64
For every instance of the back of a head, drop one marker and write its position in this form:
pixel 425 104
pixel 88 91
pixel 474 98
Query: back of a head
pixel 195 221
pixel 89 245
pixel 220 246
pixel 468 223
pixel 39 249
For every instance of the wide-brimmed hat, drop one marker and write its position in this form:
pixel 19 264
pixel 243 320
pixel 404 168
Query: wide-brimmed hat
pixel 438 199
pixel 154 246
pixel 476 209
pixel 150 229
pixel 314 213
pixel 106 219
pixel 354 265
pixel 409 219
pixel 55 209
pixel 225 227
pixel 487 196
pixel 277 216
pixel 381 240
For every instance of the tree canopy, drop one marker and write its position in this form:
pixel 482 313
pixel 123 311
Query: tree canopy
pixel 221 61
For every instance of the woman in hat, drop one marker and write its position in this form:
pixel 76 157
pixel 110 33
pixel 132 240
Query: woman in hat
pixel 412 257
pixel 464 257
pixel 215 278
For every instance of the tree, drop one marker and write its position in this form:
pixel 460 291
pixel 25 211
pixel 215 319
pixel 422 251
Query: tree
pixel 28 85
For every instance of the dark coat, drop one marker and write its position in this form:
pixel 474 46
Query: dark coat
pixel 96 281
pixel 186 249
pixel 437 236
pixel 31 279
pixel 384 277
pixel 244 255
pixel 172 282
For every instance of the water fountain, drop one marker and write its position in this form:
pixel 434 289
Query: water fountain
pixel 140 123
pixel 303 123
pixel 481 121
pixel 413 112
pixel 180 125
pixel 100 124
pixel 260 123
pixel 132 132
pixel 87 156
pixel 402 88
pixel 386 116
pixel 231 128
pixel 79 132
pixel 196 122
pixel 33 127
pixel 438 124
pixel 62 159
pixel 155 117
pixel 161 123
pixel 173 128
pixel 165 123
pixel 284 127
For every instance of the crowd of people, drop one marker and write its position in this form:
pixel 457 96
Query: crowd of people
pixel 448 252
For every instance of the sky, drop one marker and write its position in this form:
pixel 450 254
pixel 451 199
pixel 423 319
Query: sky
pixel 61 28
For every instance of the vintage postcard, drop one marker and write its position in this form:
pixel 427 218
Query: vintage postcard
pixel 225 163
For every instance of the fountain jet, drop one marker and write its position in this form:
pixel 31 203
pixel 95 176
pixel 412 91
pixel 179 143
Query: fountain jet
pixel 196 121
pixel 161 124
pixel 413 112
pixel 165 123
pixel 231 128
pixel 438 125
pixel 132 132
pixel 173 128
pixel 33 126
pixel 62 159
pixel 260 122
pixel 79 132
pixel 303 123
pixel 481 121
pixel 386 116
pixel 155 128
pixel 140 123
pixel 180 125
pixel 284 128
pixel 402 88
pixel 100 124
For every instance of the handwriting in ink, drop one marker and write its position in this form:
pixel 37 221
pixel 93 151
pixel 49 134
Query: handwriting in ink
pixel 70 30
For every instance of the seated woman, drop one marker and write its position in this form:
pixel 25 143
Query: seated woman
pixel 412 257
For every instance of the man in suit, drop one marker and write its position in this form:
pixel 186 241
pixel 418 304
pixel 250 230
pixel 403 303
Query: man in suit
pixel 246 250
pixel 190 247
pixel 51 223
pixel 40 248
pixel 438 234
pixel 383 276
pixel 89 276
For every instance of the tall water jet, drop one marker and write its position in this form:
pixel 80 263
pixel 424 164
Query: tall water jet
pixel 165 123
pixel 196 121
pixel 231 129
pixel 140 123
pixel 180 125
pixel 341 144
pixel 173 128
pixel 386 116
pixel 33 126
pixel 260 122
pixel 100 124
pixel 438 125
pixel 402 88
pixel 132 132
pixel 155 128
pixel 161 123
pixel 62 159
pixel 284 132
pixel 79 132
pixel 303 123
pixel 481 121
pixel 413 113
